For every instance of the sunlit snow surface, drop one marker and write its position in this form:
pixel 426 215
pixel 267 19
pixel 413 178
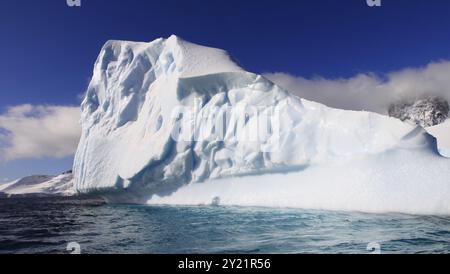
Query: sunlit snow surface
pixel 442 134
pixel 319 158
pixel 383 183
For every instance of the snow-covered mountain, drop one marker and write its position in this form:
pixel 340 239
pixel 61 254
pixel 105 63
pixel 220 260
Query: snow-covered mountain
pixel 425 112
pixel 171 122
pixel 432 114
pixel 40 185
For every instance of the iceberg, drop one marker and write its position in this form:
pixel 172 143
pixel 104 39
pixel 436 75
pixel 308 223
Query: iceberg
pixel 173 122
pixel 442 134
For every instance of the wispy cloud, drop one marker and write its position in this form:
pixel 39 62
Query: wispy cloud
pixel 29 131
pixel 369 91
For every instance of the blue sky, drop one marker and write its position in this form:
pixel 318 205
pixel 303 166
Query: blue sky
pixel 48 49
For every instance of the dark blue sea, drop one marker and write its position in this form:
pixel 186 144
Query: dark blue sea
pixel 87 226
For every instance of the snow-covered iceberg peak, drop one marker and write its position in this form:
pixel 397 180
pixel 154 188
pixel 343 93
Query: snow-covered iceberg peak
pixel 160 115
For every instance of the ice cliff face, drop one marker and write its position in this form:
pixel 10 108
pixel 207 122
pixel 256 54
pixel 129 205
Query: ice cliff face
pixel 160 115
pixel 442 133
pixel 424 112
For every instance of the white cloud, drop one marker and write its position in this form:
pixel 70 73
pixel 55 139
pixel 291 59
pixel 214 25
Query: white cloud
pixel 369 91
pixel 28 131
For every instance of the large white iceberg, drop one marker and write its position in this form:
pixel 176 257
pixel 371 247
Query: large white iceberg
pixel 151 134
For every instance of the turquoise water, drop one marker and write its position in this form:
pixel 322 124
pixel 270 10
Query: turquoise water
pixel 47 226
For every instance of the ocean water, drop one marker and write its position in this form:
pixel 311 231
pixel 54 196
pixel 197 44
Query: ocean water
pixel 49 225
